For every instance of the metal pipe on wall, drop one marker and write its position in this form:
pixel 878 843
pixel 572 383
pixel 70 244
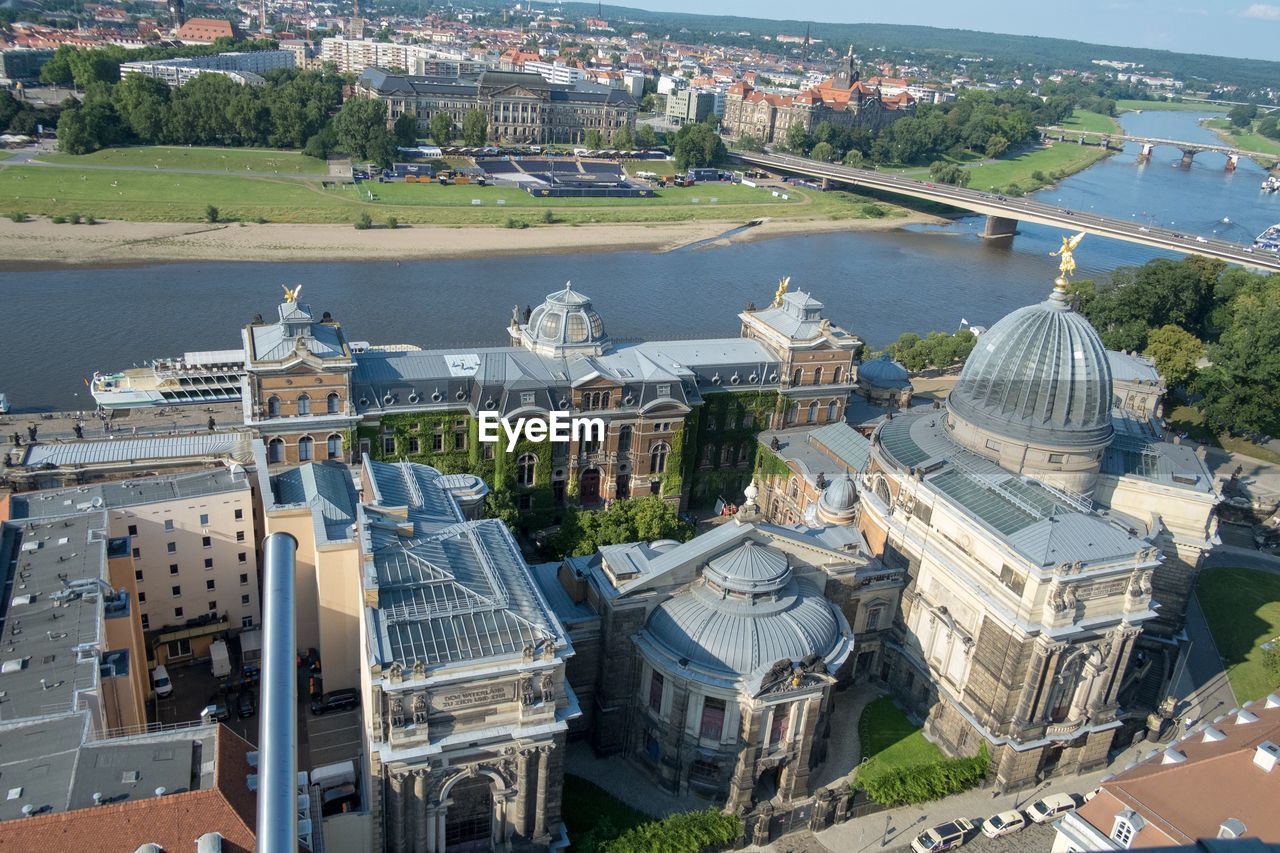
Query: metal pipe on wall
pixel 278 722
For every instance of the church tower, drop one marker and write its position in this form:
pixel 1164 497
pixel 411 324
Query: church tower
pixel 847 74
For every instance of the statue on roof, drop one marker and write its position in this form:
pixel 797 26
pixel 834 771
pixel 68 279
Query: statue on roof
pixel 1067 266
pixel 291 295
pixel 783 284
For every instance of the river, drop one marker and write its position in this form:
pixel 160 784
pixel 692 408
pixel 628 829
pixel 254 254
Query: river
pixel 62 324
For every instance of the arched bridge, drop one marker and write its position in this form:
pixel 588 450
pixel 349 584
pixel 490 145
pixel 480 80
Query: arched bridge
pixel 1149 143
pixel 1003 213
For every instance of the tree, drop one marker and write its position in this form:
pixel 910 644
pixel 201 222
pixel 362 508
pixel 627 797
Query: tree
pixel 749 142
pixel 623 139
pixel 1242 115
pixel 321 144
pixel 1242 388
pixel 475 128
pixel 582 532
pixel 853 158
pixel 646 137
pixel 405 130
pixel 949 173
pixel 143 104
pixel 593 140
pixel 996 145
pixel 442 129
pixel 824 152
pixel 796 140
pixel 1175 352
pixel 698 145
pixel 361 129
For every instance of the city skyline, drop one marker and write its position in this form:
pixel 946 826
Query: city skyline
pixel 1243 29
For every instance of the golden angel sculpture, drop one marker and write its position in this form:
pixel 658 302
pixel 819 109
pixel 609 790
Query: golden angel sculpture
pixel 1067 266
pixel 783 284
pixel 291 295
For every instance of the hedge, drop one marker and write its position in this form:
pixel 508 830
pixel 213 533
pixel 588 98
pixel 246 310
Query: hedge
pixel 688 832
pixel 923 782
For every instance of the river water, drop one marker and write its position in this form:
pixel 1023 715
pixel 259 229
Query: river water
pixel 62 324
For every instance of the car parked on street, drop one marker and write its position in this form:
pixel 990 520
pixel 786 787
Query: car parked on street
pixel 1045 810
pixel 215 712
pixel 337 700
pixel 160 681
pixel 245 707
pixel 1005 823
pixel 944 836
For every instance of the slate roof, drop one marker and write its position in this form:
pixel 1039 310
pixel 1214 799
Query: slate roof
pixel 449 591
pixel 799 316
pixel 277 341
pixel 226 445
pixel 1044 526
pixel 54 503
pixel 328 489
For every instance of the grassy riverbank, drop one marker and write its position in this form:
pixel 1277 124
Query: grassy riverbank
pixel 258 160
pixel 1053 162
pixel 1181 106
pixel 249 195
pixel 1092 122
pixel 1246 139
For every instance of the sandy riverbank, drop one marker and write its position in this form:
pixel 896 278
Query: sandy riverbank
pixel 39 241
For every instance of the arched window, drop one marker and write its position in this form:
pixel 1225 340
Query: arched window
pixel 794 491
pixel 624 438
pixel 817 376
pixel 882 491
pixel 304 404
pixel 273 406
pixel 275 450
pixel 306 448
pixel 835 375
pixel 811 414
pixel 526 470
pixel 833 411
pixel 335 446
pixel 333 403
pixel 658 458
pixel 797 376
pixel 604 400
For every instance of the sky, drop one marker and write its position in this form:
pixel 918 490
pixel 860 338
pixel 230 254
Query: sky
pixel 1220 27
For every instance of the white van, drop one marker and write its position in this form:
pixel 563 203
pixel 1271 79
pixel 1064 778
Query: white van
pixel 160 681
pixel 1043 811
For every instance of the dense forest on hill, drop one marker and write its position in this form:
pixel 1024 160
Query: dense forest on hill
pixel 1035 51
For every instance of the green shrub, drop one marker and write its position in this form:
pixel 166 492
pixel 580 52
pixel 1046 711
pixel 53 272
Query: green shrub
pixel 210 213
pixel 1039 176
pixel 393 223
pixel 261 220
pixel 688 832
pixel 1271 659
pixel 57 219
pixel 873 211
pixel 923 782
pixel 548 217
pixel 18 216
pixel 512 222
pixel 89 220
pixel 75 219
pixel 365 222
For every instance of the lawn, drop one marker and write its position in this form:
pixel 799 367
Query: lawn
pixel 1242 607
pixel 1184 106
pixel 1060 157
pixel 262 160
pixel 890 741
pixel 169 197
pixel 1186 419
pixel 593 815
pixel 1090 121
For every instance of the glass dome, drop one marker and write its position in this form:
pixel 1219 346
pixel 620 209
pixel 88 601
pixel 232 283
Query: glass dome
pixel 565 324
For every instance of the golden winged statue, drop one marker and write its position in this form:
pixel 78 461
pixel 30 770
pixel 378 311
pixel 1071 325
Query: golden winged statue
pixel 1067 266
pixel 291 295
pixel 783 284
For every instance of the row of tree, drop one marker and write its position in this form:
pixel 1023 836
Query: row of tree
pixel 987 123
pixel 1181 311
pixel 938 349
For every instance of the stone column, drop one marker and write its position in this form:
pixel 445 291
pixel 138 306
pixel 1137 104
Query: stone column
pixel 1050 670
pixel 432 846
pixel 1121 649
pixel 521 817
pixel 395 827
pixel 1035 677
pixel 540 835
pixel 420 844
pixel 441 814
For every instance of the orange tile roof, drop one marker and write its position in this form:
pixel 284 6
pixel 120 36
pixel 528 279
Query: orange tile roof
pixel 174 822
pixel 1185 801
pixel 205 29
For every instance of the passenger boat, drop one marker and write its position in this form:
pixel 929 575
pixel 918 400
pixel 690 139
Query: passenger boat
pixel 1269 240
pixel 212 376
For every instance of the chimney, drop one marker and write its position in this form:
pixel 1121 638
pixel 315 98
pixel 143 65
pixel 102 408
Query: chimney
pixel 1172 756
pixel 97 798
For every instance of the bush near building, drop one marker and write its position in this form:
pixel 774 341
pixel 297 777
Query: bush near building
pixel 601 823
pixel 901 767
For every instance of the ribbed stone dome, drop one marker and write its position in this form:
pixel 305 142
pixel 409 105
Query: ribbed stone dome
pixel 883 372
pixel 1039 375
pixel 712 627
pixel 839 500
pixel 565 322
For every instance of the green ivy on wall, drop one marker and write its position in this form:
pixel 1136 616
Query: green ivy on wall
pixel 720 423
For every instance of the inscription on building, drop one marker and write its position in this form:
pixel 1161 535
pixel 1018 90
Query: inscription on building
pixel 475 696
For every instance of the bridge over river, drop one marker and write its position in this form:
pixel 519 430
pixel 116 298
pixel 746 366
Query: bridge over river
pixel 1149 143
pixel 1003 213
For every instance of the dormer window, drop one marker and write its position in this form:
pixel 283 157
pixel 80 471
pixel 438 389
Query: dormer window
pixel 1128 824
